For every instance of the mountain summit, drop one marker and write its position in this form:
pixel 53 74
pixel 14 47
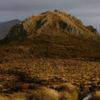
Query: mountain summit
pixel 51 23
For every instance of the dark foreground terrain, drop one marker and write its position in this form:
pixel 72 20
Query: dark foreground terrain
pixel 24 76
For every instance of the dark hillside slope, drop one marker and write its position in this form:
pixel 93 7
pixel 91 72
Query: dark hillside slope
pixel 6 26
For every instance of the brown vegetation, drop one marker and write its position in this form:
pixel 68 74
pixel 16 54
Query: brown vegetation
pixel 44 52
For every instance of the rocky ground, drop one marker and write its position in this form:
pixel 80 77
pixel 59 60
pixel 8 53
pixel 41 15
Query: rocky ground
pixel 24 75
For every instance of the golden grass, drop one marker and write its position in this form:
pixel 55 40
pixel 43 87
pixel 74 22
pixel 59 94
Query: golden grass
pixel 43 93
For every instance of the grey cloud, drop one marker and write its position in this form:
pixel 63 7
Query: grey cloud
pixel 84 9
pixel 15 8
pixel 86 12
pixel 21 5
pixel 47 4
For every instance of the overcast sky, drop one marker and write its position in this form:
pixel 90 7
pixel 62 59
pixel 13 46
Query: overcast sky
pixel 87 10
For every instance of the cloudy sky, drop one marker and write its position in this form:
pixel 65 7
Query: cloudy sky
pixel 87 10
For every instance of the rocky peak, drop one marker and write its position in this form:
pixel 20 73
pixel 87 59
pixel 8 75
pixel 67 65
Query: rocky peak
pixel 52 23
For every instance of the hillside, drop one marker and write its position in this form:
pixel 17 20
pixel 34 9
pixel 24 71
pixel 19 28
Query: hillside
pixel 55 33
pixel 50 56
pixel 6 26
pixel 52 23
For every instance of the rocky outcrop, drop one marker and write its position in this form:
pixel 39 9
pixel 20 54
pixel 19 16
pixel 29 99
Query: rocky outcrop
pixel 92 29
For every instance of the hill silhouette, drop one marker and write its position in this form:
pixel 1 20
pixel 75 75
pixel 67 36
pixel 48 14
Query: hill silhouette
pixel 6 26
